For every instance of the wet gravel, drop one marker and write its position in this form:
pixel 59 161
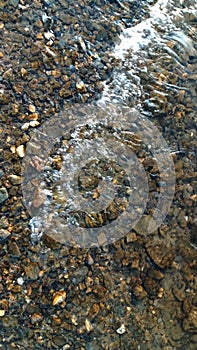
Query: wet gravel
pixel 139 292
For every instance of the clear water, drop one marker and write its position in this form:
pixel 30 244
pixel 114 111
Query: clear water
pixel 144 121
pixel 156 64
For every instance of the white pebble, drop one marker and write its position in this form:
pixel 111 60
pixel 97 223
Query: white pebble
pixel 25 126
pixel 34 123
pixel 20 281
pixel 2 313
pixel 121 329
pixel 49 35
pixel 20 151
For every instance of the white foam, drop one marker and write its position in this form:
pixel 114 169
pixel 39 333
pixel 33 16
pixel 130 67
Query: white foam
pixel 134 38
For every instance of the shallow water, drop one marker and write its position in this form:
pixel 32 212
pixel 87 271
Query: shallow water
pixel 165 42
pixel 109 187
pixel 156 65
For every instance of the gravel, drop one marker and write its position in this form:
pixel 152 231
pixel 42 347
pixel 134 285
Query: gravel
pixel 138 292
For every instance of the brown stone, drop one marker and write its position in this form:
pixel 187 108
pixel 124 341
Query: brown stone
pixel 190 323
pixel 35 318
pixel 139 292
pixel 14 249
pixel 161 254
pixel 32 271
pixel 151 286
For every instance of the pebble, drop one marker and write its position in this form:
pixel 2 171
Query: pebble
pixel 32 271
pixel 24 72
pixel 20 150
pixel 25 126
pixel 90 260
pixel 14 179
pixel 4 223
pixel 121 329
pixel 33 116
pixel 163 255
pixel 32 108
pixel 20 281
pixel 14 249
pixel 49 35
pixel 32 123
pixel 4 234
pixel 3 194
pixel 131 237
pixel 88 325
pixel 8 74
pixel 59 297
pixel 35 318
pixel 139 292
pixel 142 226
pixel 151 286
pixel 81 86
pixel 59 340
pixel 2 313
pixel 13 149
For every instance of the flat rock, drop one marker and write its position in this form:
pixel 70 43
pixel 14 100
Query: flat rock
pixel 142 226
pixel 3 194
pixel 14 3
pixel 4 234
pixel 4 222
pixel 162 255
